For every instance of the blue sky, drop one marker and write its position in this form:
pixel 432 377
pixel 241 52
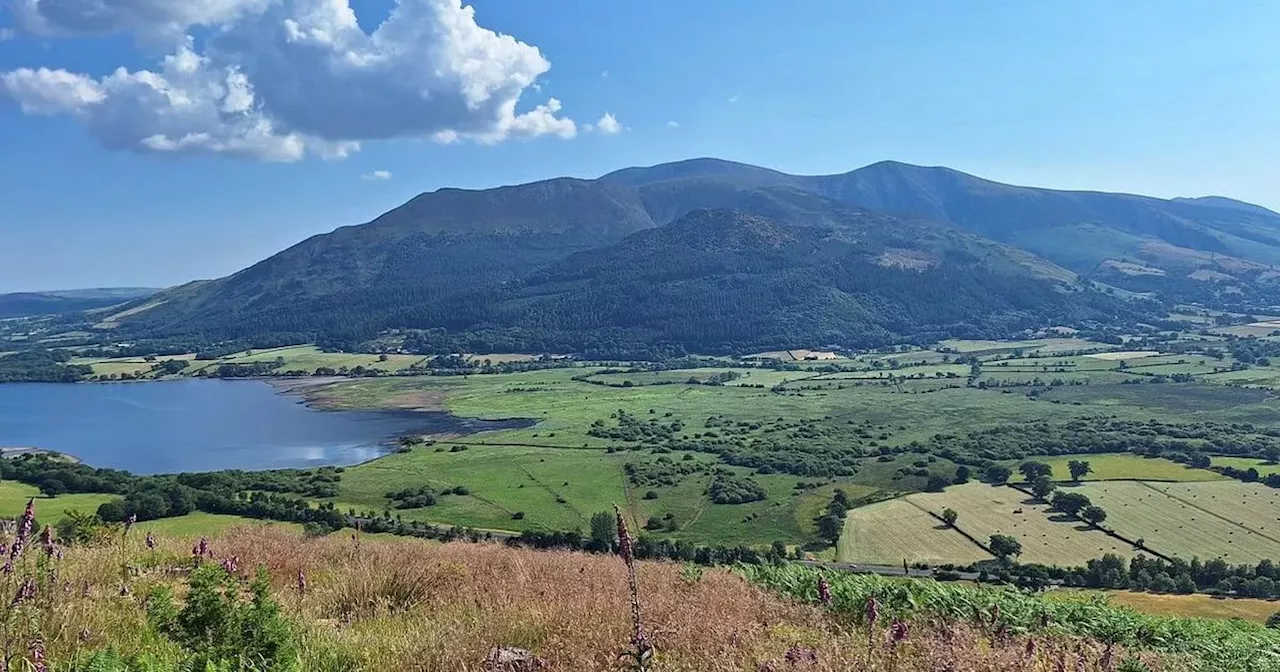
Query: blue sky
pixel 101 185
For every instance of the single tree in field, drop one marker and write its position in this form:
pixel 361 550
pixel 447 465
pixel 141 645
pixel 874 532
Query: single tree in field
pixel 1094 515
pixel 1033 470
pixel 604 531
pixel 949 516
pixel 1005 546
pixel 1079 469
pixel 1041 487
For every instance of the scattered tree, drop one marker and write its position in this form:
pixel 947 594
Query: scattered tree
pixel 1079 469
pixel 949 516
pixel 1005 546
pixel 1094 515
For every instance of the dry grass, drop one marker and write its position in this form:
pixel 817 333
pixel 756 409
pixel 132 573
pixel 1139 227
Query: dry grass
pixel 411 605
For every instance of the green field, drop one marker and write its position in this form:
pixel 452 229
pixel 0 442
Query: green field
pixel 198 523
pixel 1264 467
pixel 1123 466
pixel 49 510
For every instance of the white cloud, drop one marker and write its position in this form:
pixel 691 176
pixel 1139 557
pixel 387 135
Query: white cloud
pixel 605 74
pixel 149 18
pixel 608 125
pixel 377 175
pixel 734 98
pixel 7 34
pixel 673 124
pixel 280 79
pixel 46 91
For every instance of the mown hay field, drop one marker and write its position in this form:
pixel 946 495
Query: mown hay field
pixel 1047 537
pixel 1232 520
pixel 886 533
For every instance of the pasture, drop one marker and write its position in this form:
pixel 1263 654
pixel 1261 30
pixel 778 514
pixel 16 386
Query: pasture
pixel 199 524
pixel 49 510
pixel 1122 466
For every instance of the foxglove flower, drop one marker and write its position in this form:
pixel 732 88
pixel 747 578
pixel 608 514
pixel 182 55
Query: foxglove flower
pixel 824 590
pixel 898 631
pixel 230 564
pixel 28 519
pixel 129 522
pixel 151 541
pixel 873 610
pixel 302 582
pixel 37 656
pixel 26 592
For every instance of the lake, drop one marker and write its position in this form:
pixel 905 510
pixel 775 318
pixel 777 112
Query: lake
pixel 204 425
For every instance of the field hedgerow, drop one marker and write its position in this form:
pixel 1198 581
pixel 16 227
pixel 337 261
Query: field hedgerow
pixel 256 598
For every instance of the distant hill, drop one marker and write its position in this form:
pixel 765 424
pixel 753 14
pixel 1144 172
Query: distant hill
pixel 1121 239
pixel 28 304
pixel 473 264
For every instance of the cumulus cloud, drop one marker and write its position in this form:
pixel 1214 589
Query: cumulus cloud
pixel 734 98
pixel 673 124
pixel 281 79
pixel 148 18
pixel 377 175
pixel 608 124
pixel 7 34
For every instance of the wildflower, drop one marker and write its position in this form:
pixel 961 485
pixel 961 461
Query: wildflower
pixel 26 592
pixel 995 614
pixel 824 590
pixel 84 591
pixel 302 582
pixel 46 540
pixel 898 631
pixel 1031 648
pixel 84 635
pixel 151 541
pixel 124 590
pixel 624 539
pixel 28 519
pixel 641 648
pixel 37 656
pixel 230 564
pixel 873 610
pixel 201 549
pixel 15 551
pixel 128 522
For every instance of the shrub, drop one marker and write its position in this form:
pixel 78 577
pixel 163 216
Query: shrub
pixel 219 628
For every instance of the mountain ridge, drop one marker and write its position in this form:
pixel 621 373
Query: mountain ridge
pixel 449 259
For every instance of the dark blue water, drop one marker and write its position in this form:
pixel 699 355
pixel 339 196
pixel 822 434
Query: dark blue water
pixel 202 425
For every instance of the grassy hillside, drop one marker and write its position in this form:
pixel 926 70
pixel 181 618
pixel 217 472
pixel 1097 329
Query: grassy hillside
pixel 375 604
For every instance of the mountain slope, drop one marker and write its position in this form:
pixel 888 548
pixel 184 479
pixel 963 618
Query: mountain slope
pixel 730 281
pixel 436 245
pixel 1103 235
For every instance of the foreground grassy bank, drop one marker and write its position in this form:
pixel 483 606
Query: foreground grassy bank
pixel 126 603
